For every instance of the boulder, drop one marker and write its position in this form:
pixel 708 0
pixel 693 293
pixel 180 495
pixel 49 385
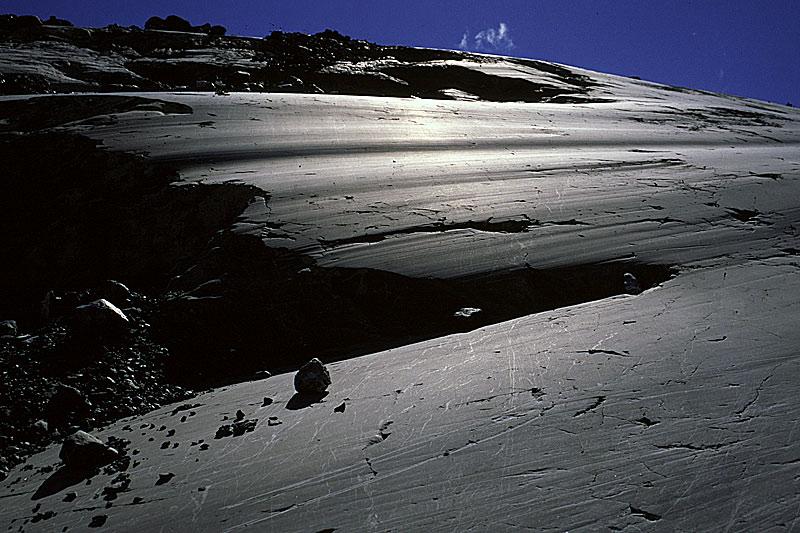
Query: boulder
pixel 115 292
pixel 8 328
pixel 312 378
pixel 176 23
pixel 19 22
pixel 217 30
pixel 100 317
pixel 83 451
pixel 66 401
pixel 53 21
pixel 631 284
pixel 155 23
pixel 466 312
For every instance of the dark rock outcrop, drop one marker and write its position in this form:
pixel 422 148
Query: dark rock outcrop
pixel 19 22
pixel 176 23
pixel 54 21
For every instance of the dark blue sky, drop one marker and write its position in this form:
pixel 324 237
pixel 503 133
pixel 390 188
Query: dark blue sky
pixel 742 47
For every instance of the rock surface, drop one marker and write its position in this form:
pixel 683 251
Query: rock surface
pixel 373 218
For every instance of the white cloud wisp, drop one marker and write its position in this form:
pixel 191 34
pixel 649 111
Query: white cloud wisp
pixel 490 40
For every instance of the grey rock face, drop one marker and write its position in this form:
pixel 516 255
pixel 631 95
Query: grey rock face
pixel 312 378
pixel 82 450
pixel 631 284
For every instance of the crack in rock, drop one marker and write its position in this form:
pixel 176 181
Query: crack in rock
pixel 598 401
pixel 504 226
pixel 695 447
pixel 755 396
pixel 652 517
pixel 624 353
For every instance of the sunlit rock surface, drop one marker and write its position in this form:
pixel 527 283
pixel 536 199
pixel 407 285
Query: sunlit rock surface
pixel 673 409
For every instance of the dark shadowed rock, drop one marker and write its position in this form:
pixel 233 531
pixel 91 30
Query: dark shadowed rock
pixel 53 21
pixel 19 22
pixel 41 426
pixel 164 477
pixel 155 23
pixel 49 307
pixel 83 451
pixel 8 328
pixel 67 404
pixel 217 30
pixel 176 23
pixel 312 378
pixel 115 292
pixel 466 312
pixel 100 317
pixel 98 521
pixel 631 284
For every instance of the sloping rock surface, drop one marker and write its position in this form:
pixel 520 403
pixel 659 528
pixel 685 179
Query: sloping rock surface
pixel 338 225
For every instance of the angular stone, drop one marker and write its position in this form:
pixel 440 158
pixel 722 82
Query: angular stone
pixel 115 292
pixel 631 284
pixel 312 378
pixel 82 450
pixel 65 402
pixel 100 316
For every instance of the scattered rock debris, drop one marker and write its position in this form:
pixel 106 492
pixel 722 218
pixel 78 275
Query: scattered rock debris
pixel 67 176
pixel 184 407
pixel 237 429
pixel 117 485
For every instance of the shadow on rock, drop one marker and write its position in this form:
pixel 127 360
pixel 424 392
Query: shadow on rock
pixel 303 400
